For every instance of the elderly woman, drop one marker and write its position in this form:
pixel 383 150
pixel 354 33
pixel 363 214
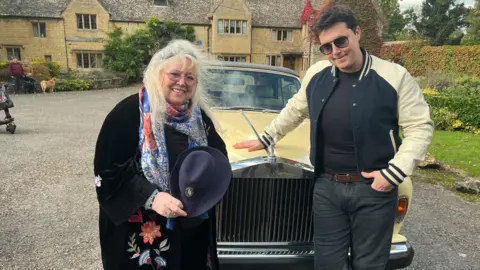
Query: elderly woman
pixel 136 149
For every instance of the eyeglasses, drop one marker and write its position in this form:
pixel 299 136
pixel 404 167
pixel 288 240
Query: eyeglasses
pixel 341 42
pixel 189 80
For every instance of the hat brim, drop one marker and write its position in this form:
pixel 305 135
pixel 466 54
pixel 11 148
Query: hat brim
pixel 195 208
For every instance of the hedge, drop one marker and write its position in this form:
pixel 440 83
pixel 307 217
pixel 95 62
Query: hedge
pixel 419 59
pixel 454 111
pixel 64 85
pixel 53 67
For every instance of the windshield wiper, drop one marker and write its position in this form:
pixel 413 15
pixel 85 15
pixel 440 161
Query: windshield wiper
pixel 246 108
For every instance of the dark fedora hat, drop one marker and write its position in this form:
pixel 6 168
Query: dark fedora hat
pixel 199 179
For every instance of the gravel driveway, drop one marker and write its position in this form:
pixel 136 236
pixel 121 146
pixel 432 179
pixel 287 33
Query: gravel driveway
pixel 48 213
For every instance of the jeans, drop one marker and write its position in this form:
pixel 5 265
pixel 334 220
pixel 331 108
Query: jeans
pixel 352 216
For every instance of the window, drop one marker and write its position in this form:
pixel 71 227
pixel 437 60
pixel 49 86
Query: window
pixel 86 21
pixel 220 26
pixel 232 58
pixel 48 58
pixel 238 27
pixel 89 60
pixel 14 53
pixel 273 60
pixel 306 63
pixel 237 87
pixel 282 35
pixel 160 2
pixel 39 30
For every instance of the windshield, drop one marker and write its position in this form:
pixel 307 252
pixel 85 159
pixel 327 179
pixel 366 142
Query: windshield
pixel 253 89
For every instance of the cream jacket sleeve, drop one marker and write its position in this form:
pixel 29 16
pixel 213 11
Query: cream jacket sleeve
pixel 417 126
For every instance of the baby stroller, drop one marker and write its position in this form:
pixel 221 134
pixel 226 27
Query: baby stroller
pixel 5 104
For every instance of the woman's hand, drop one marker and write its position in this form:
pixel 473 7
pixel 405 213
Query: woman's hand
pixel 167 206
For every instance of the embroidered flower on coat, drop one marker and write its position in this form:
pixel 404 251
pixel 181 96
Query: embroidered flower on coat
pixel 150 231
pixel 98 181
pixel 137 218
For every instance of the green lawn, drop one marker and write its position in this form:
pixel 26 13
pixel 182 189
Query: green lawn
pixel 457 149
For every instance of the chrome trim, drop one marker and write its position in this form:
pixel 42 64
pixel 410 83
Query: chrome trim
pixel 253 66
pixel 270 149
pixel 264 160
pixel 259 244
pixel 283 253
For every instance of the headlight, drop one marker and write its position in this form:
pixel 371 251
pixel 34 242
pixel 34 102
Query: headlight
pixel 402 209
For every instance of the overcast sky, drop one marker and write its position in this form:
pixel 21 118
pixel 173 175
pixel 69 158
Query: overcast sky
pixel 409 3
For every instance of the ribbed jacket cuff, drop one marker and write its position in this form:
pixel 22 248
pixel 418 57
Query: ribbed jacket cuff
pixel 267 140
pixel 393 174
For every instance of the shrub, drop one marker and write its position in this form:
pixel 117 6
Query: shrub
pixel 3 64
pixel 445 119
pixel 53 67
pixel 436 80
pixel 454 112
pixel 63 85
pixel 4 75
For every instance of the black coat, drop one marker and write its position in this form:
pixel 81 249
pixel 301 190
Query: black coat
pixel 123 190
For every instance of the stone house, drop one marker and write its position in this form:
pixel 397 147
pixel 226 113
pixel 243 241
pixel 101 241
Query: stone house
pixel 73 32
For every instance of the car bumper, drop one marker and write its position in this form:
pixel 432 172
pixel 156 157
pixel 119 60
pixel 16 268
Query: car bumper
pixel 301 258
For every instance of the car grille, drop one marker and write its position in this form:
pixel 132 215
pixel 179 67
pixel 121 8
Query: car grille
pixel 266 252
pixel 266 210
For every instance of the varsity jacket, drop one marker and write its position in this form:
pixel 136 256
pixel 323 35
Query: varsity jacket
pixel 385 100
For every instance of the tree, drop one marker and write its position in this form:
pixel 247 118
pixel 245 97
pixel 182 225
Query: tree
pixel 473 31
pixel 439 19
pixel 395 22
pixel 409 32
pixel 132 53
pixel 163 32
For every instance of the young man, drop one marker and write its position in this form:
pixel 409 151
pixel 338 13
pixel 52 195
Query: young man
pixel 357 104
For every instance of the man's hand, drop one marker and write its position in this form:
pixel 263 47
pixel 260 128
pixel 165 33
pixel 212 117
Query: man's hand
pixel 379 182
pixel 252 145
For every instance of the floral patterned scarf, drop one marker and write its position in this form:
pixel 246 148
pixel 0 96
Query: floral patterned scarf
pixel 152 143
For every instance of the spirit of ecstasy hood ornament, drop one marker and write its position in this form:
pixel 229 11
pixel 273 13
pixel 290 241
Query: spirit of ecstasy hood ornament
pixel 270 149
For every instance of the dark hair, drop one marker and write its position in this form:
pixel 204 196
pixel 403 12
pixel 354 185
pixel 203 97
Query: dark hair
pixel 333 15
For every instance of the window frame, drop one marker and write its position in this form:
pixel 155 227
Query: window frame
pixel 92 22
pixel 19 58
pixel 282 35
pixel 277 59
pixel 37 26
pixel 224 27
pixel 85 60
pixel 236 58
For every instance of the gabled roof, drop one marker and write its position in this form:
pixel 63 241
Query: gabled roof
pixel 273 13
pixel 265 13
pixel 33 8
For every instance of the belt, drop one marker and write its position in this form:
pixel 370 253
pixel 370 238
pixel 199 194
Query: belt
pixel 344 177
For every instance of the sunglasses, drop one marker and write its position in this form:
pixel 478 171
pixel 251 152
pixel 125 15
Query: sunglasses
pixel 189 80
pixel 341 42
